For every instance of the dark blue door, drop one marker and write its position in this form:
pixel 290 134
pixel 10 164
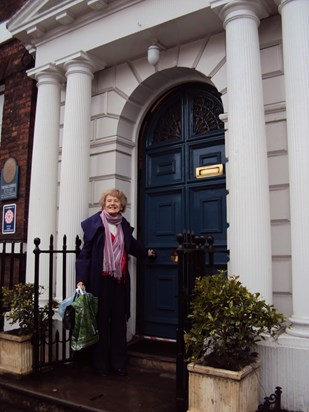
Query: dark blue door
pixel 181 133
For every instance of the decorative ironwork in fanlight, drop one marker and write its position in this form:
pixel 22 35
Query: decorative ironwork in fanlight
pixel 206 110
pixel 168 128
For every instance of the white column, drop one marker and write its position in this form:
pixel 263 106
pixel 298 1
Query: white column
pixel 44 167
pixel 249 236
pixel 74 177
pixel 295 31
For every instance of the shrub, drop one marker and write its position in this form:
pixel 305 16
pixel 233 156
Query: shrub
pixel 20 303
pixel 227 322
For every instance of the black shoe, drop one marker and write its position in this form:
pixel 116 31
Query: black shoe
pixel 102 372
pixel 120 372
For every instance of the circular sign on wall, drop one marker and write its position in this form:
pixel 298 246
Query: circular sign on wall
pixel 9 179
pixel 9 170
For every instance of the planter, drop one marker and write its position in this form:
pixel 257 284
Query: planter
pixel 214 390
pixel 15 354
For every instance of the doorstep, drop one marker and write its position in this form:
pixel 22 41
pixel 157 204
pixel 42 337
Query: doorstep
pixel 72 387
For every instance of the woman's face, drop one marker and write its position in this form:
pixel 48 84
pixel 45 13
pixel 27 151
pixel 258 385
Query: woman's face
pixel 112 205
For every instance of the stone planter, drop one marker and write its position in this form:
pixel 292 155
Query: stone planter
pixel 214 390
pixel 15 354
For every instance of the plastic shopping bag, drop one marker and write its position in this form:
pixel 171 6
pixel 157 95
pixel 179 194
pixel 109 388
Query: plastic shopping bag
pixel 85 332
pixel 67 312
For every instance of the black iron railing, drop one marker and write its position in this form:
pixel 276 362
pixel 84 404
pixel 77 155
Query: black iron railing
pixel 196 257
pixel 12 268
pixel 51 345
pixel 272 403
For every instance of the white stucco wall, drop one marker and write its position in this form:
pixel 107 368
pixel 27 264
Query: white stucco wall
pixel 121 96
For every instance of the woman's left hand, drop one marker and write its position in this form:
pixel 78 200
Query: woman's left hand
pixel 81 286
pixel 151 253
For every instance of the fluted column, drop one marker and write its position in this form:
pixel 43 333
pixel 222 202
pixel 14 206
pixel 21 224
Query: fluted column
pixel 74 177
pixel 44 168
pixel 295 31
pixel 249 236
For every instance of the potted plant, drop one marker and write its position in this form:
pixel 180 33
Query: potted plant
pixel 227 322
pixel 15 344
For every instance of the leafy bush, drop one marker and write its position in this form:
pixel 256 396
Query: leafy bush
pixel 227 322
pixel 20 303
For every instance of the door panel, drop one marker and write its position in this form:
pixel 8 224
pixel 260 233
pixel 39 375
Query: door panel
pixel 166 212
pixel 201 155
pixel 181 132
pixel 208 213
pixel 160 304
pixel 165 167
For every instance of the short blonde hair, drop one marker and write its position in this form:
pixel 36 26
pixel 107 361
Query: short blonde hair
pixel 116 193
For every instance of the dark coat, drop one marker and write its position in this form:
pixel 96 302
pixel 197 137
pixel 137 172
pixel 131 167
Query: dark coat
pixel 89 263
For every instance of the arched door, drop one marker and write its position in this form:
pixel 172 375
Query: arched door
pixel 181 133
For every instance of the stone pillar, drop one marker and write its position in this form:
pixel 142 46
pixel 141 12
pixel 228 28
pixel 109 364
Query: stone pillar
pixel 295 32
pixel 249 235
pixel 74 177
pixel 44 169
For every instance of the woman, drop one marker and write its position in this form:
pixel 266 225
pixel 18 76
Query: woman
pixel 102 269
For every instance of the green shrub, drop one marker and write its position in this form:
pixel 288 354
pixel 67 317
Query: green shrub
pixel 20 303
pixel 227 322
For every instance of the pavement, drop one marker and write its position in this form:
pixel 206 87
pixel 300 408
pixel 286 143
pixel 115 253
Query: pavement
pixel 148 387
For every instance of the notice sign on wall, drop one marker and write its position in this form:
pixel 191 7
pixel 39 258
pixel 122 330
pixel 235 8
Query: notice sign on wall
pixel 9 180
pixel 9 219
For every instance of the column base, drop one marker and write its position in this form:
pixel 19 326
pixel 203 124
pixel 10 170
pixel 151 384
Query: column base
pixel 285 363
pixel 299 327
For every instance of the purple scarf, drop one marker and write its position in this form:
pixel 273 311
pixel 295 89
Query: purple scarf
pixel 113 251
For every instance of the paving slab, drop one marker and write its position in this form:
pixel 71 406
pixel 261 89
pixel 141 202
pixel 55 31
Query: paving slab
pixel 77 387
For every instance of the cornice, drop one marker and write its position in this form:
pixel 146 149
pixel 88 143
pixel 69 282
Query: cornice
pixel 39 20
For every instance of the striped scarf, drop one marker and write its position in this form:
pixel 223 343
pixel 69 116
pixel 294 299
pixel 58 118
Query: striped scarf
pixel 113 250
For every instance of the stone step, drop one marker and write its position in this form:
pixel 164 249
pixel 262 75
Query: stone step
pixel 146 353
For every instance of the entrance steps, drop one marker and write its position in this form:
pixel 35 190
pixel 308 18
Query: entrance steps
pixel 149 386
pixel 153 354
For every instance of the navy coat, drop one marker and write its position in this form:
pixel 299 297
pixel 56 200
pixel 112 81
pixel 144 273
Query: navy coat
pixel 89 263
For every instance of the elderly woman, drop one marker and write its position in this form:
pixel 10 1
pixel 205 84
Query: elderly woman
pixel 102 269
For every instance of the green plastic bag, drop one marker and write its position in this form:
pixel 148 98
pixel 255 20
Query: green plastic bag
pixel 85 332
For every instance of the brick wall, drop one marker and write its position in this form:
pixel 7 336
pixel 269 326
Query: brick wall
pixel 17 126
pixel 9 7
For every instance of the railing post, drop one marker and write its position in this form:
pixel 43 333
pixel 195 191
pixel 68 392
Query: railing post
pixel 191 263
pixel 278 393
pixel 36 333
pixel 211 255
pixel 181 379
pixel 78 244
pixel 50 298
pixel 274 399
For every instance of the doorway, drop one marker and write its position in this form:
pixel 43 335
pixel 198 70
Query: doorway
pixel 181 133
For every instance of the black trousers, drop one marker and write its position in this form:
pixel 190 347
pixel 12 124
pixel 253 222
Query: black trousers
pixel 111 350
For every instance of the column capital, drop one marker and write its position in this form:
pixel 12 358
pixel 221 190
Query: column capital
pixel 282 3
pixel 80 62
pixel 232 10
pixel 47 74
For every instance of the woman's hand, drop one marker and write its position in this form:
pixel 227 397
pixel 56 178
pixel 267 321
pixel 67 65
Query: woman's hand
pixel 151 253
pixel 81 286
